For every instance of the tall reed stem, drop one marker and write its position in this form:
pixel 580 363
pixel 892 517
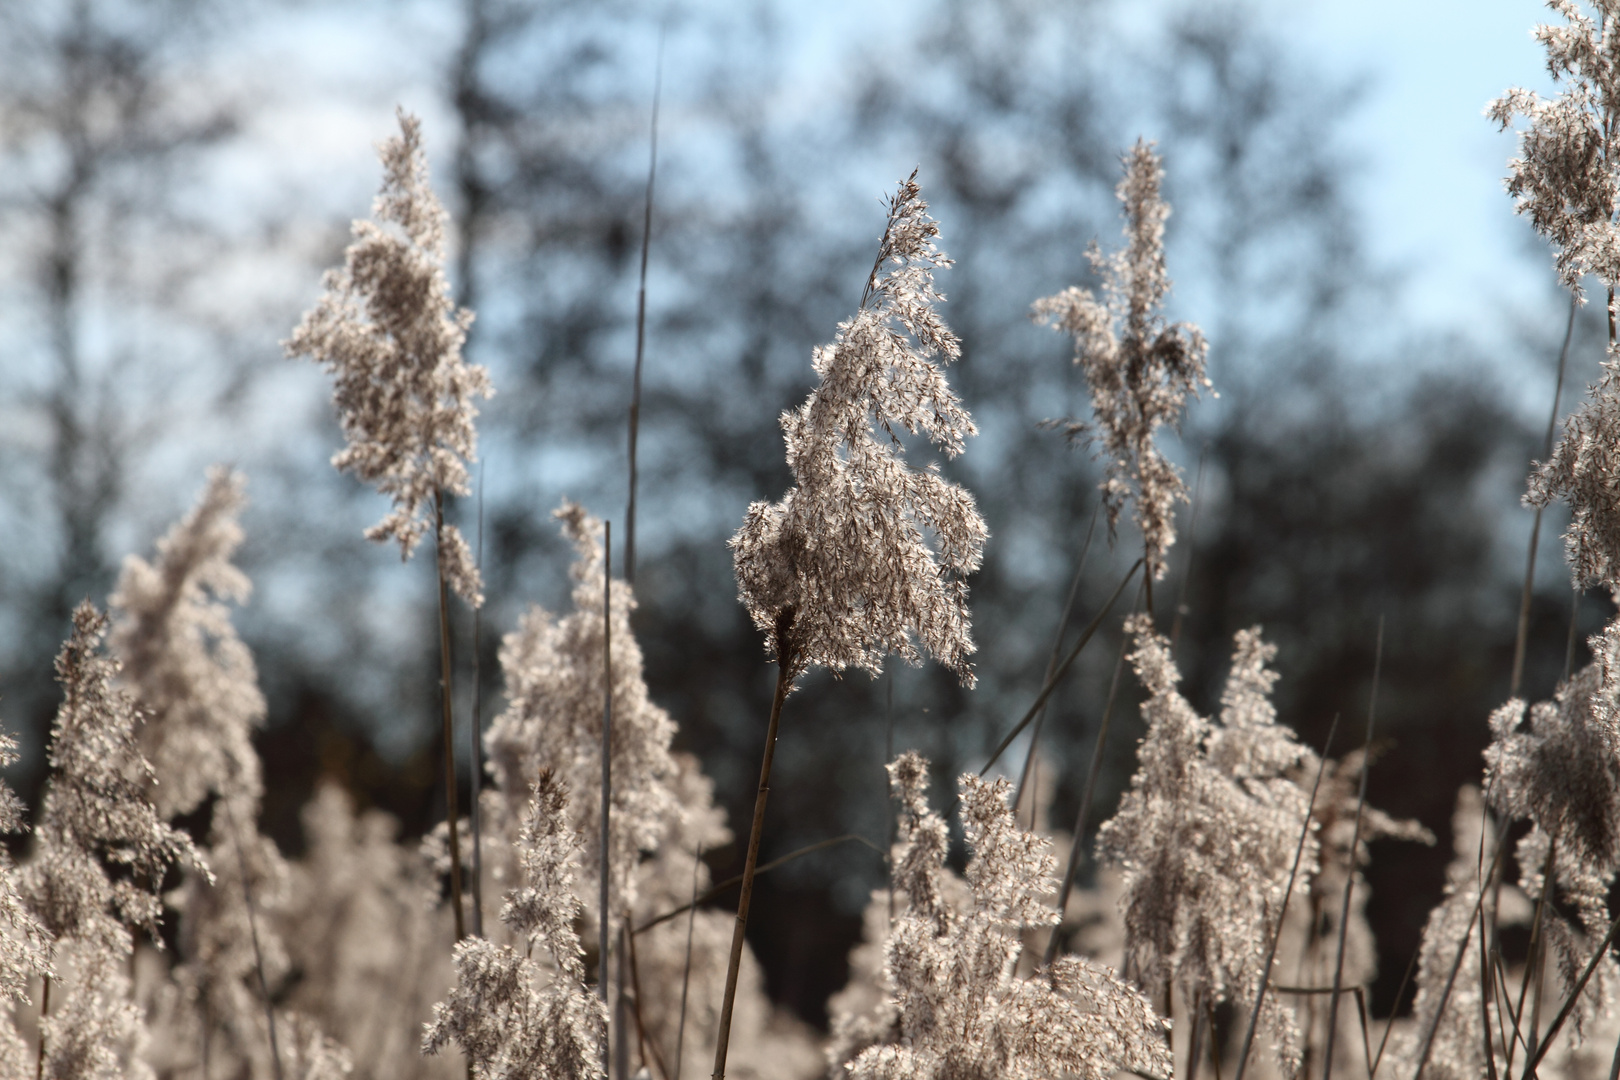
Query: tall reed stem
pixel 44 1011
pixel 253 932
pixel 1282 913
pixel 603 937
pixel 1051 666
pixel 1350 871
pixel 686 970
pixel 1076 846
pixel 449 716
pixel 476 732
pixel 785 661
pixel 641 321
pixel 1535 527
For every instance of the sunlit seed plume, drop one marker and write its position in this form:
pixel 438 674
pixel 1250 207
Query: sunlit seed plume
pixel 391 336
pixel 1206 847
pixel 96 816
pixel 846 553
pixel 1139 368
pixel 182 659
pixel 97 806
pixel 515 1017
pixel 1581 472
pixel 1566 178
pixel 25 945
pixel 954 1006
pixel 553 719
pixel 1562 776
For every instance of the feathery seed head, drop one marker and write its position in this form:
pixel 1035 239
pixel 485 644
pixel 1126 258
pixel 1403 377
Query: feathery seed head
pixel 391 336
pixel 1139 368
pixel 840 572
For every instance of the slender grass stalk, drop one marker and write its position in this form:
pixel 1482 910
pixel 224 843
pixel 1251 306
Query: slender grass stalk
pixel 44 1011
pixel 1355 842
pixel 1569 642
pixel 1486 985
pixel 1194 1040
pixel 716 890
pixel 449 715
pixel 1361 1010
pixel 1062 669
pixel 621 1018
pixel 888 803
pixel 1076 844
pixel 785 661
pixel 686 971
pixel 1534 966
pixel 477 734
pixel 1051 666
pixel 1504 993
pixel 1614 1066
pixel 1456 965
pixel 1192 536
pixel 1400 992
pixel 1288 892
pixel 642 1042
pixel 602 935
pixel 641 319
pixel 1572 998
pixel 253 932
pixel 1535 528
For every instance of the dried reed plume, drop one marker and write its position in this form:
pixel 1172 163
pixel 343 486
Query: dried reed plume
pixel 953 1005
pixel 391 336
pixel 1139 368
pixel 514 1017
pixel 1206 836
pixel 843 556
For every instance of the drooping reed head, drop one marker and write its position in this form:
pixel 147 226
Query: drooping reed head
pixel 865 555
pixel 1139 367
pixel 390 334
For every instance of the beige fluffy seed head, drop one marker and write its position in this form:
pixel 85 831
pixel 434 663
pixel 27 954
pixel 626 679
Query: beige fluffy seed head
pixel 1139 368
pixel 844 558
pixel 953 1004
pixel 391 336
pixel 1566 177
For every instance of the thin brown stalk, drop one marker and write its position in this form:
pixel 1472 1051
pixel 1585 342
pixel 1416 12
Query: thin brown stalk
pixel 253 932
pixel 1361 1011
pixel 603 937
pixel 716 890
pixel 1051 666
pixel 1614 1066
pixel 1288 892
pixel 1063 669
pixel 1186 568
pixel 785 661
pixel 1400 992
pixel 686 971
pixel 1505 993
pixel 1214 1046
pixel 641 320
pixel 449 716
pixel 888 803
pixel 1350 872
pixel 1570 1000
pixel 642 1042
pixel 1194 1041
pixel 1456 966
pixel 1076 845
pixel 1535 963
pixel 1523 635
pixel 477 733
pixel 1569 642
pixel 44 1011
pixel 1486 986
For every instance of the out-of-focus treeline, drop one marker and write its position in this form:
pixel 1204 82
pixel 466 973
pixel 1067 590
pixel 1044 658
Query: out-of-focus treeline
pixel 176 173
